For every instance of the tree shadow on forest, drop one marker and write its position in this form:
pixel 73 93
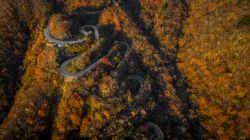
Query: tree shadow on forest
pixel 194 126
pixel 138 60
pixel 180 86
pixel 11 73
pixel 86 15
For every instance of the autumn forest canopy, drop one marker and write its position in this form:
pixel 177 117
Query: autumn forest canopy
pixel 124 69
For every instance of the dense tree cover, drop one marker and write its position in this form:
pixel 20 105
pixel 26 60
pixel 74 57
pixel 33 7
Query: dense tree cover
pixel 70 5
pixel 30 115
pixel 17 20
pixel 61 27
pixel 214 56
pixel 193 58
pixel 157 67
pixel 162 22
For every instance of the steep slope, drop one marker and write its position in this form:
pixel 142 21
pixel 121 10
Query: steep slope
pixel 214 56
pixel 162 22
pixel 71 5
pixel 17 21
pixel 29 25
pixel 180 67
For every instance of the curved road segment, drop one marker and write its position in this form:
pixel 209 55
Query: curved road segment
pixel 62 44
pixel 125 59
pixel 84 12
pixel 64 72
pixel 86 33
pixel 157 129
pixel 84 71
pixel 140 93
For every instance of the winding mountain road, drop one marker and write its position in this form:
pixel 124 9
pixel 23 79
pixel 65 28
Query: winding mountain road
pixel 84 71
pixel 65 73
pixel 138 97
pixel 61 44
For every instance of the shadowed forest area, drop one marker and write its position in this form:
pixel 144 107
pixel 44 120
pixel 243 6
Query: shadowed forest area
pixel 124 69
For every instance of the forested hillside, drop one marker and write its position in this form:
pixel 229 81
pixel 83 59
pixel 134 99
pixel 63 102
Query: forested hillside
pixel 124 69
pixel 18 20
pixel 214 57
